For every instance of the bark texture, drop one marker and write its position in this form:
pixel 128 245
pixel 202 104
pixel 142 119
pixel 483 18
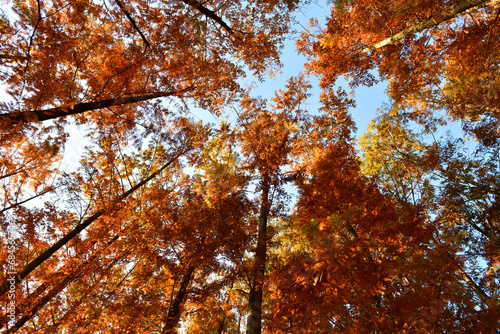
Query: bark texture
pixel 174 311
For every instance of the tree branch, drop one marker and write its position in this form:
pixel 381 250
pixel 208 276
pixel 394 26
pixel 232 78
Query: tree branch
pixel 134 24
pixel 457 9
pixel 209 13
pixel 26 200
pixel 43 115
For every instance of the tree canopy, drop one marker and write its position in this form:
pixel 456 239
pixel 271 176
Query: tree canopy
pixel 275 218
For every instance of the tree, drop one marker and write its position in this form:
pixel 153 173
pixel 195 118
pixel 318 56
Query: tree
pixel 457 192
pixel 273 220
pixel 163 230
pixel 266 139
pixel 363 256
pixel 86 60
pixel 60 243
pixel 456 9
pixel 59 223
pixel 437 57
pixel 94 54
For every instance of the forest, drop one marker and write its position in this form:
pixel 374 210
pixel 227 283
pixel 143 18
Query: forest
pixel 196 205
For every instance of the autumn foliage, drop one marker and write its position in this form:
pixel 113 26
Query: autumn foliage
pixel 275 219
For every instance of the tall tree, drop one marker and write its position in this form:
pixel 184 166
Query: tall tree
pixel 266 139
pixel 272 221
pixel 362 256
pixel 32 265
pixel 456 190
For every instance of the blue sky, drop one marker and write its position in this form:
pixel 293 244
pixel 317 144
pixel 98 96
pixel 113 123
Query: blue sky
pixel 368 99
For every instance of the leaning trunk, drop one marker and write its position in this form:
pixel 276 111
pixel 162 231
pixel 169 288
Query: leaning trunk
pixel 53 113
pixel 42 301
pixel 456 9
pixel 70 235
pixel 174 311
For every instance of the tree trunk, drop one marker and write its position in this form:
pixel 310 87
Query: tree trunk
pixel 43 115
pixel 477 289
pixel 174 311
pixel 254 313
pixel 64 240
pixel 76 273
pixel 457 9
pixel 222 324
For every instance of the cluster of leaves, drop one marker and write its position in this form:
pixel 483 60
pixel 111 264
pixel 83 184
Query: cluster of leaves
pixel 440 60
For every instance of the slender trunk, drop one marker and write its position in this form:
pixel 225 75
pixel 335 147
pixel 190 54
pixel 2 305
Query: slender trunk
pixel 132 21
pixel 208 13
pixel 174 311
pixel 457 9
pixel 222 324
pixel 64 240
pixel 43 115
pixel 76 273
pixel 477 289
pixel 254 313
